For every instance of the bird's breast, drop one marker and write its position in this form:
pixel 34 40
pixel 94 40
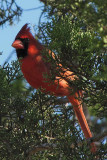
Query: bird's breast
pixel 35 73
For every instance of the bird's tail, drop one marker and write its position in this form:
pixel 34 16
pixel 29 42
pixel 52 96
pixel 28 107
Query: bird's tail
pixel 77 106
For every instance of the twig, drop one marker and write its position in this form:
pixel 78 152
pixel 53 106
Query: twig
pixel 48 138
pixel 61 100
pixel 8 58
pixel 48 146
pixel 30 9
pixel 41 147
pixel 99 137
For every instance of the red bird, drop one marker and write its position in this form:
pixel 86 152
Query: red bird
pixel 34 67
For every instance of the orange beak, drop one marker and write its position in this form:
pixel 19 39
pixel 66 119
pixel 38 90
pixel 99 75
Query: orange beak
pixel 18 44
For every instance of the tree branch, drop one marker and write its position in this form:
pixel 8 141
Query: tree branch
pixel 47 146
pixel 99 137
pixel 38 148
pixel 30 9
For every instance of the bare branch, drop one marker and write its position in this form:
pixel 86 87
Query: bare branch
pixel 99 137
pixel 41 147
pixel 30 9
pixel 47 146
pixel 61 100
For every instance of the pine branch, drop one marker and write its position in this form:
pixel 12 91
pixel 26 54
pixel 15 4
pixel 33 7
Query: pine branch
pixel 47 146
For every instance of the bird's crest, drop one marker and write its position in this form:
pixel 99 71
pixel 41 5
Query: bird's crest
pixel 24 32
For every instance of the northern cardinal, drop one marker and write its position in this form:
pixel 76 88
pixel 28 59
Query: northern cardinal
pixel 34 67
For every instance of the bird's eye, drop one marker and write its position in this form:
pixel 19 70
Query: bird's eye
pixel 26 39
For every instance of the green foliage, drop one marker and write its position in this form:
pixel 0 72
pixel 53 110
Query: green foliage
pixel 36 126
pixel 85 55
pixel 29 119
pixel 26 120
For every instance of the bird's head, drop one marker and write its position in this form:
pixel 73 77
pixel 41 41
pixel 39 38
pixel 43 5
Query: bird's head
pixel 25 43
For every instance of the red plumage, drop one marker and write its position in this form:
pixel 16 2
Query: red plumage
pixel 34 69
